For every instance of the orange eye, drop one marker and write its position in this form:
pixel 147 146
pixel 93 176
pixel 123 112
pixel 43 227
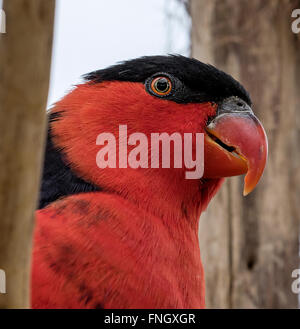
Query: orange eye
pixel 161 86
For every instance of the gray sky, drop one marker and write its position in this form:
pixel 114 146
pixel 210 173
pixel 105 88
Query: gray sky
pixel 93 34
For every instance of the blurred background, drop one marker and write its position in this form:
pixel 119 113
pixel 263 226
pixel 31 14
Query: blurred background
pixel 249 246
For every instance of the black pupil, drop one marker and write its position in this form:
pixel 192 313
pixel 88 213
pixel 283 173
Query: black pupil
pixel 162 85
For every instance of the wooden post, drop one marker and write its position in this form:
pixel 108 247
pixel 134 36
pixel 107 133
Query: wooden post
pixel 249 246
pixel 25 54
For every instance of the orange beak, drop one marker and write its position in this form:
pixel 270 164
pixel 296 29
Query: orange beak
pixel 235 144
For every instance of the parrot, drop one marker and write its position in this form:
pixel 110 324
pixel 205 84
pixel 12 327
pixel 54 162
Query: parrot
pixel 123 237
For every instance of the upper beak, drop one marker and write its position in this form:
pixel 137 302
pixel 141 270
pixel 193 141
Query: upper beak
pixel 235 144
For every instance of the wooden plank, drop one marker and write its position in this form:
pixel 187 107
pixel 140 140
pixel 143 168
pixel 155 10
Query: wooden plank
pixel 250 245
pixel 25 54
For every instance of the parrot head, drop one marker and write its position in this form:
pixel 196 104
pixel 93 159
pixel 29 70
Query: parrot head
pixel 161 94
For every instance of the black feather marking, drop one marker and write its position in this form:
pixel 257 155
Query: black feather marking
pixel 58 179
pixel 199 82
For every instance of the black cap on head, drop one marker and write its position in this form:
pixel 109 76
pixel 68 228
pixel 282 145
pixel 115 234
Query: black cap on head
pixel 195 81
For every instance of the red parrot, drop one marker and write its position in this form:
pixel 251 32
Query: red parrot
pixel 128 237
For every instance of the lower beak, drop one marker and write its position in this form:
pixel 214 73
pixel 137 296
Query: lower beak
pixel 235 144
